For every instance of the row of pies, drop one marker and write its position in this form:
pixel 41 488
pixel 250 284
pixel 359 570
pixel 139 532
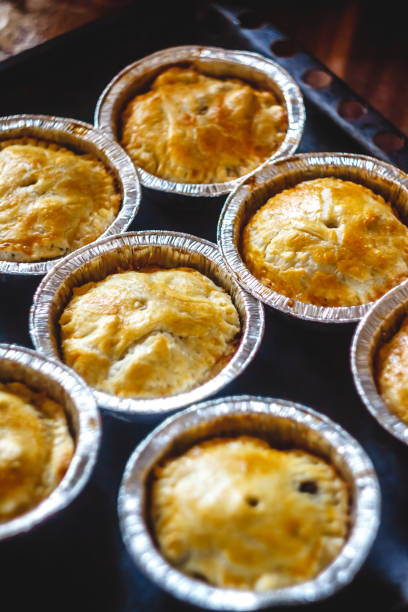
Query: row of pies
pixel 240 493
pixel 199 500
pixel 188 127
pixel 33 458
pixel 160 331
pixel 325 242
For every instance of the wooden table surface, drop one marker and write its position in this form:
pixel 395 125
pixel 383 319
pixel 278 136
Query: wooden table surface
pixel 363 43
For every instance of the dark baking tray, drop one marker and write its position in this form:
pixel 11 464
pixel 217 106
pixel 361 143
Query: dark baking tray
pixel 77 560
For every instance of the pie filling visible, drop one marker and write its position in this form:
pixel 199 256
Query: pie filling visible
pixel 193 128
pixel 52 200
pixel 237 513
pixel 35 448
pixel 327 242
pixel 392 372
pixel 149 333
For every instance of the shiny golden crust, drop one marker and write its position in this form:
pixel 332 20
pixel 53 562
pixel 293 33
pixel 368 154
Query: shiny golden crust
pixel 52 201
pixel 241 514
pixel 149 333
pixel 35 448
pixel 392 372
pixel 327 242
pixel 192 128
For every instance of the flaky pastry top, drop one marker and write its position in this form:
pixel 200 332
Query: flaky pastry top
pixel 52 200
pixel 149 333
pixel 240 514
pixel 327 242
pixel 193 128
pixel 392 372
pixel 35 448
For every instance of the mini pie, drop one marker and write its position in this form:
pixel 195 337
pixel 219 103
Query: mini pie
pixel 149 333
pixel 35 448
pixel 392 372
pixel 52 200
pixel 327 242
pixel 240 514
pixel 192 128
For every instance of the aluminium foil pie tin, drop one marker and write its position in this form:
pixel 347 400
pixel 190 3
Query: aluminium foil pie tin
pixel 212 61
pixel 84 138
pixel 19 364
pixel 283 424
pixel 377 327
pixel 250 195
pixel 131 251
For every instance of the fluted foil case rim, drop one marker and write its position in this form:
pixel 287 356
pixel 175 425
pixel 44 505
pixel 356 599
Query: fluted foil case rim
pixel 288 89
pixel 252 326
pixel 367 339
pixel 70 133
pixel 365 513
pixel 304 166
pixel 87 433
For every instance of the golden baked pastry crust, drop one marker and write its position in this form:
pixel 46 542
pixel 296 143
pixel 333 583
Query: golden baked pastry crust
pixel 192 128
pixel 149 333
pixel 392 372
pixel 327 242
pixel 35 448
pixel 240 514
pixel 52 200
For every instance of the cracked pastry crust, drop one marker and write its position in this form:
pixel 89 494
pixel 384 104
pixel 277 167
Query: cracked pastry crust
pixel 327 242
pixel 240 514
pixel 392 372
pixel 35 448
pixel 149 333
pixel 52 201
pixel 192 128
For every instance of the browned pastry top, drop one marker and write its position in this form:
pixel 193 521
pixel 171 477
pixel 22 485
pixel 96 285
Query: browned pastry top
pixel 150 332
pixel 193 128
pixel 327 242
pixel 52 200
pixel 238 513
pixel 35 448
pixel 392 372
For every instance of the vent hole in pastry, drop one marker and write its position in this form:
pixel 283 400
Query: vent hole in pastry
pixel 202 109
pixel 252 501
pixel 331 224
pixel 308 486
pixel 31 180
